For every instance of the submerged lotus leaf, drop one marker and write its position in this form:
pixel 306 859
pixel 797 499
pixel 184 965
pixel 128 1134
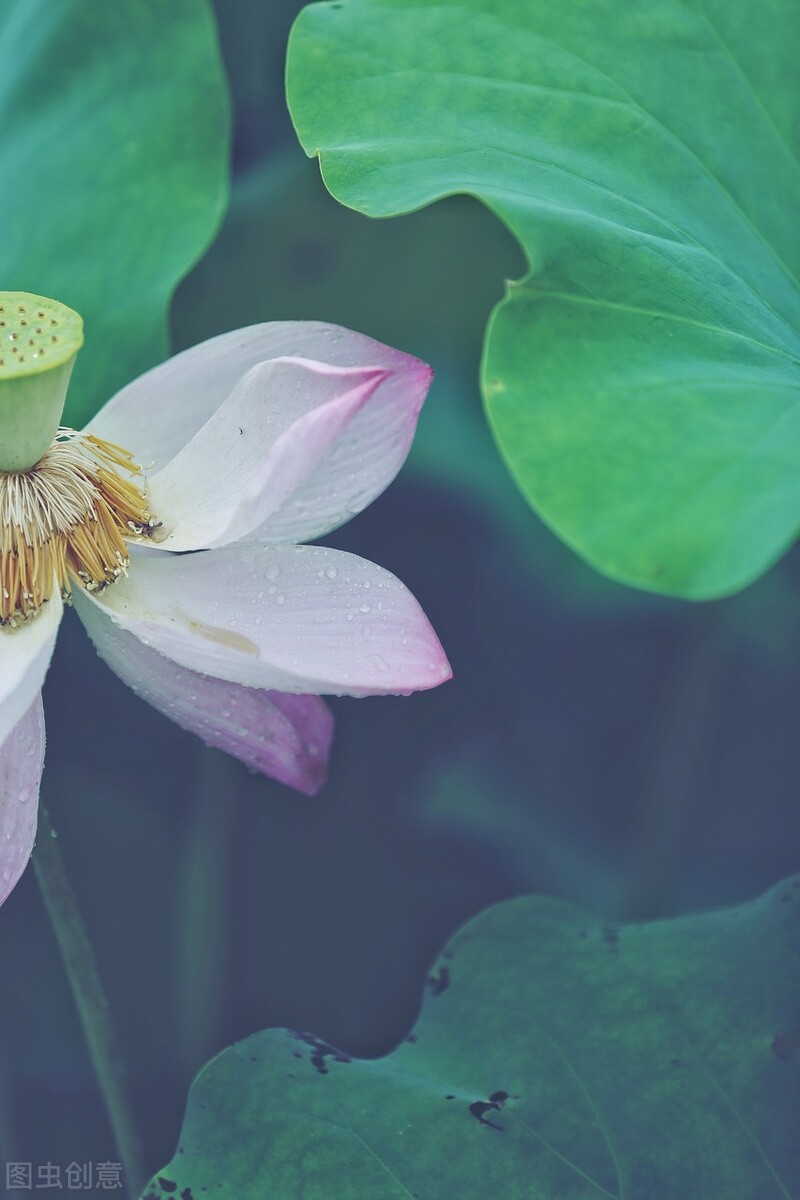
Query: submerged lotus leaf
pixel 555 1056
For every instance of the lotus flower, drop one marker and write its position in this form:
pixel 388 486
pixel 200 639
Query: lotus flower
pixel 173 522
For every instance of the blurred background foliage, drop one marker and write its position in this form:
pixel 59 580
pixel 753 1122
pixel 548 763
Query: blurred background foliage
pixel 109 186
pixel 633 754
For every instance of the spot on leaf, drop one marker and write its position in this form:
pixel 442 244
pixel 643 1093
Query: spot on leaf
pixel 786 1046
pixel 439 983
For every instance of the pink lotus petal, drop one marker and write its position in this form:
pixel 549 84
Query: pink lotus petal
pixel 25 655
pixel 161 411
pixel 285 737
pixel 359 465
pixel 21 763
pixel 258 447
pixel 290 618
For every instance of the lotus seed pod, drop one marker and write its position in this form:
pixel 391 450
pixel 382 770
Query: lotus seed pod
pixel 39 340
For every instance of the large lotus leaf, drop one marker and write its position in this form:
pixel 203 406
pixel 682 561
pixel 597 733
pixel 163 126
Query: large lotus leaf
pixel 642 379
pixel 113 168
pixel 554 1057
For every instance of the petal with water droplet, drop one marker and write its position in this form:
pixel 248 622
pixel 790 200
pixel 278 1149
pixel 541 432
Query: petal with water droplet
pixel 258 448
pixel 287 737
pixel 316 634
pixel 21 763
pixel 161 411
pixel 25 655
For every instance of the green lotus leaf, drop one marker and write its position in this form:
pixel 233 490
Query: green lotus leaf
pixel 113 168
pixel 642 378
pixel 555 1056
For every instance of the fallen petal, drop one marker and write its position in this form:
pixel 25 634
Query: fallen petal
pixel 21 763
pixel 287 737
pixel 290 618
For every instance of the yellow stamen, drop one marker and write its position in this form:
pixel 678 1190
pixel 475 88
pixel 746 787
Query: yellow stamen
pixel 66 521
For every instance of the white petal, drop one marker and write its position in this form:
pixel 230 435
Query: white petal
pixel 285 737
pixel 21 763
pixel 289 618
pixel 155 416
pixel 359 464
pixel 25 655
pixel 257 448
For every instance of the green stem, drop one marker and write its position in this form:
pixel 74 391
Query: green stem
pixel 682 733
pixel 90 998
pixel 202 937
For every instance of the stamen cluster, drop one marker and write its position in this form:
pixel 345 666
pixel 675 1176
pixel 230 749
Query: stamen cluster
pixel 67 520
